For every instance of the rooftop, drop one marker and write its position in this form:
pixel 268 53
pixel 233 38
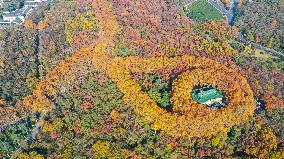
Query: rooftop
pixel 203 95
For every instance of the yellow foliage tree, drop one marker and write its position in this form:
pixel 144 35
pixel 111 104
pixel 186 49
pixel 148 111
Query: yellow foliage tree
pixel 41 25
pixel 262 144
pixel 81 23
pixel 101 149
pixel 30 155
pixel 114 115
pixel 3 102
pixel 29 24
pixel 194 121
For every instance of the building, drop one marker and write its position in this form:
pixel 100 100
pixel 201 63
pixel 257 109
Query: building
pixel 27 10
pixel 6 24
pixel 34 3
pixel 18 16
pixel 31 4
pixel 3 1
pixel 13 18
pixel 208 96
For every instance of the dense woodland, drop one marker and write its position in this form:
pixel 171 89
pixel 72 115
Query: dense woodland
pixel 19 73
pixel 90 117
pixel 262 22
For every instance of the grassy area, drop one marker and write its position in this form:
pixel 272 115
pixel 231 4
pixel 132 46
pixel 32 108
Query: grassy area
pixel 263 58
pixel 273 64
pixel 261 55
pixel 269 61
pixel 202 11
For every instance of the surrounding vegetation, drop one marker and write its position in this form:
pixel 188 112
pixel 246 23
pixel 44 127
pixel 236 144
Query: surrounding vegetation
pixel 113 79
pixel 262 22
pixel 12 5
pixel 15 137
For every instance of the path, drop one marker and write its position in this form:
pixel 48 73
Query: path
pixel 97 55
pixel 260 47
pixel 221 8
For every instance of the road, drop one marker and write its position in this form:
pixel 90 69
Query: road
pixel 221 8
pixel 229 14
pixel 30 137
pixel 260 47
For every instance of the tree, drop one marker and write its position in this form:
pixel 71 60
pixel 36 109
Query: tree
pixel 254 20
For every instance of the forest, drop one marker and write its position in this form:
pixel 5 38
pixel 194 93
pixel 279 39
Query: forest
pixel 262 23
pixel 115 79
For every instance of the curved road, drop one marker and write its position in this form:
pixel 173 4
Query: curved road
pixel 221 8
pixel 229 14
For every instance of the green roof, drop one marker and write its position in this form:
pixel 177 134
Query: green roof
pixel 203 95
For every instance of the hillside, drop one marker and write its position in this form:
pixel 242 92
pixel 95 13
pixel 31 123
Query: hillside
pixel 136 79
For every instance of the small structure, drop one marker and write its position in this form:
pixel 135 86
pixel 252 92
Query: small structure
pixel 13 17
pixel 208 96
pixel 18 16
pixel 260 106
pixel 3 24
pixel 34 3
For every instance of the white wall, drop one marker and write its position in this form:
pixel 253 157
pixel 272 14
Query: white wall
pixel 13 18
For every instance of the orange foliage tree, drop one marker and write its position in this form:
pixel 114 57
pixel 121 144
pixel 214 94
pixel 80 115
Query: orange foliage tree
pixel 240 106
pixel 29 24
pixel 118 69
